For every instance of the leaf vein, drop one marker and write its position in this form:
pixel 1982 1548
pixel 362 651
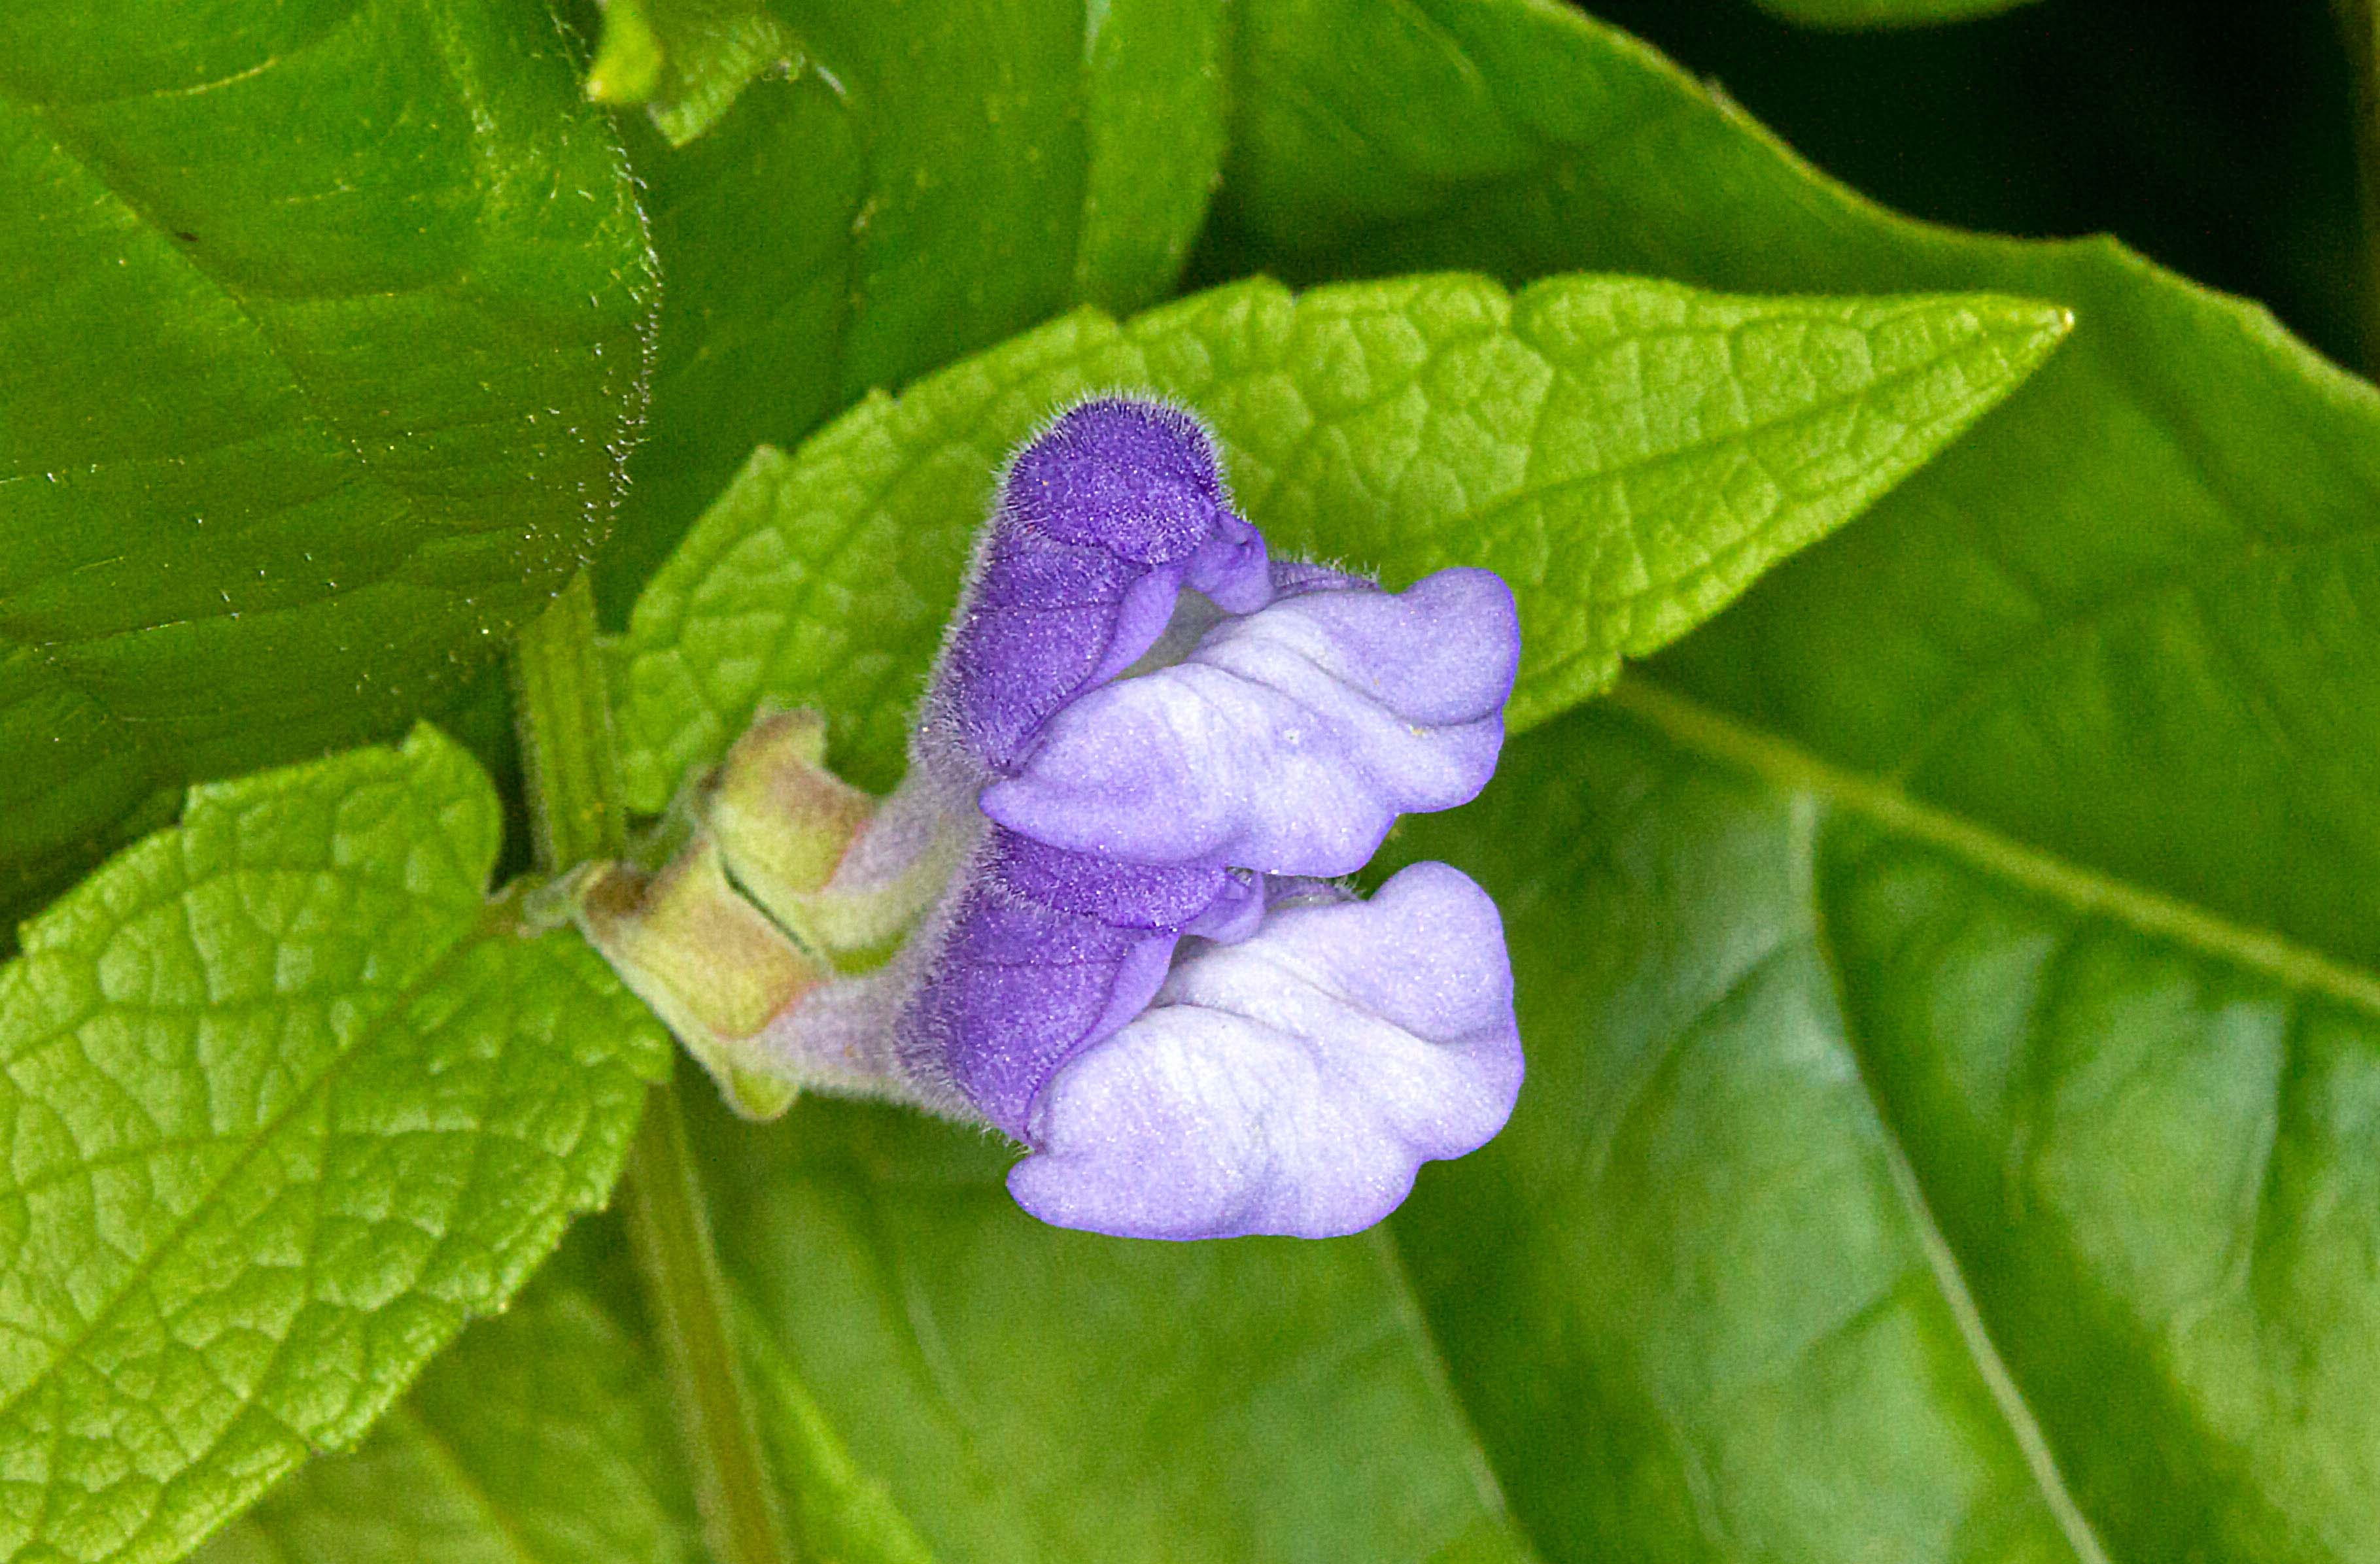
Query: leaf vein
pixel 267 1134
pixel 1950 1279
pixel 2083 888
pixel 447 1460
pixel 2042 652
pixel 1413 1324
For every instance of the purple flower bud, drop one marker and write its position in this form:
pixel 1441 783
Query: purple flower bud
pixel 1101 524
pixel 1046 952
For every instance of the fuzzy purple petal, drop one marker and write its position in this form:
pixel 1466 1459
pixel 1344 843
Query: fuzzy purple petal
pixel 1043 954
pixel 1290 739
pixel 1102 522
pixel 1293 1082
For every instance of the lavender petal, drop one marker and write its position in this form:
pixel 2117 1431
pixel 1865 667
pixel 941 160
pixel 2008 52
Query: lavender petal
pixel 1294 1083
pixel 1289 740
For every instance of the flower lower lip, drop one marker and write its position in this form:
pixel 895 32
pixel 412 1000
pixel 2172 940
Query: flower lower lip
pixel 1373 1036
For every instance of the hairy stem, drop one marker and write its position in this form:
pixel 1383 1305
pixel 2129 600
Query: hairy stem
pixel 574 799
pixel 566 735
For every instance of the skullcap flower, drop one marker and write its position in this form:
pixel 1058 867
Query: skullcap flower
pixel 1108 881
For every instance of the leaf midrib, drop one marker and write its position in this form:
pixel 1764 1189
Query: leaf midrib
pixel 1819 786
pixel 1941 1261
pixel 1718 736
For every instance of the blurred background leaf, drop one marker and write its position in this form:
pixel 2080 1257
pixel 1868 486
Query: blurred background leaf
pixel 1885 1187
pixel 540 1437
pixel 299 411
pixel 939 174
pixel 838 1508
pixel 1026 1393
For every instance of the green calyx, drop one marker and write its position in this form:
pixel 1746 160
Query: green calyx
pixel 788 878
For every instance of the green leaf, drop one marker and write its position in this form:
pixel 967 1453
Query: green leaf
pixel 1029 1394
pixel 2079 729
pixel 1849 14
pixel 940 175
pixel 323 339
pixel 839 1511
pixel 284 1100
pixel 540 1437
pixel 685 60
pixel 1885 1187
pixel 1628 455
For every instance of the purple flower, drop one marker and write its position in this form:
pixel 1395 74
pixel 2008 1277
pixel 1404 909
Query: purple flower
pixel 1145 748
pixel 1044 953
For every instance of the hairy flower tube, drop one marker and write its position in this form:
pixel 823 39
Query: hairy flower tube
pixel 1103 913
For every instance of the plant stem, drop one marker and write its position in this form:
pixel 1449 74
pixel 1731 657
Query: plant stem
pixel 670 1231
pixel 565 738
pixel 566 735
